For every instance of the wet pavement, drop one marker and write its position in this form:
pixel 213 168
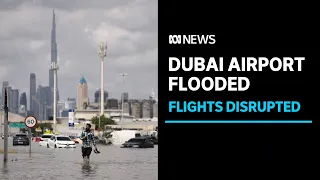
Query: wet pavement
pixel 113 163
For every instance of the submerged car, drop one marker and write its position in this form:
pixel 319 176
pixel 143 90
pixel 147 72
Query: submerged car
pixel 76 139
pixel 153 139
pixel 138 142
pixel 60 142
pixel 44 139
pixel 21 139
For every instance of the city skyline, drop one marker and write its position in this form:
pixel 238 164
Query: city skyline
pixel 129 28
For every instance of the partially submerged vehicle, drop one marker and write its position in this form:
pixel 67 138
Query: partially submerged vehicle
pixel 138 142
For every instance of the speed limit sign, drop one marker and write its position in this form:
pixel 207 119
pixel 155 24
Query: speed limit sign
pixel 30 121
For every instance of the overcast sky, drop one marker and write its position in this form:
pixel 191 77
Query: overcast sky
pixel 129 27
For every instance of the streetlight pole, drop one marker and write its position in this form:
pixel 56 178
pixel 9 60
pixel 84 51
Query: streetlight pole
pixel 102 55
pixel 122 97
pixel 6 114
pixel 100 108
pixel 45 111
pixel 54 68
pixel 1 123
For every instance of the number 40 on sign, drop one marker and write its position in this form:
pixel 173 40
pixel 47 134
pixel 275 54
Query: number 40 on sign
pixel 30 121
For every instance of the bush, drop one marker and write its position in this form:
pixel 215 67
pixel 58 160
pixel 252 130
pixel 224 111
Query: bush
pixel 103 121
pixel 106 135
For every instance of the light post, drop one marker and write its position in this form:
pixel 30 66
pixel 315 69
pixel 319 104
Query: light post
pixel 6 114
pixel 100 112
pixel 1 123
pixel 45 111
pixel 102 55
pixel 54 68
pixel 122 98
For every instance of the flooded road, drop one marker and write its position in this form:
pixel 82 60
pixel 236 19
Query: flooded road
pixel 113 163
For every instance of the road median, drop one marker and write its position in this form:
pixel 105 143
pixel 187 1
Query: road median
pixel 9 151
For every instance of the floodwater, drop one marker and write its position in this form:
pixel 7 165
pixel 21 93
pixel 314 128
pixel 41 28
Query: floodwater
pixel 113 163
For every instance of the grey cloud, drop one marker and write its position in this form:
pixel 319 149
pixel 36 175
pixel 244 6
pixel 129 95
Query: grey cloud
pixel 129 27
pixel 7 5
pixel 79 4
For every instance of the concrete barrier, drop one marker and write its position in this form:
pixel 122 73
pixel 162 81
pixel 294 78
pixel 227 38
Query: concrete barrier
pixel 36 139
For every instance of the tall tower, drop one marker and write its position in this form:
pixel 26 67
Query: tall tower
pixel 33 91
pixel 54 55
pixel 83 98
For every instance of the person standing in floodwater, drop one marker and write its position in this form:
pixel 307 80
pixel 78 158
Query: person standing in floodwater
pixel 88 141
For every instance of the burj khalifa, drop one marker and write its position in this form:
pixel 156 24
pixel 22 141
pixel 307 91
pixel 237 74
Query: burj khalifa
pixel 54 57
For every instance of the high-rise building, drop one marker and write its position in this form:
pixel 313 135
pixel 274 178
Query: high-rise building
pixel 136 110
pixel 23 100
pixel 9 100
pixel 146 110
pixel 82 97
pixel 70 103
pixel 14 101
pixel 63 107
pixel 54 57
pixel 155 109
pixel 60 107
pixel 33 91
pixel 22 111
pixel 42 101
pixel 97 96
pixel 126 108
pixel 125 96
pixel 112 103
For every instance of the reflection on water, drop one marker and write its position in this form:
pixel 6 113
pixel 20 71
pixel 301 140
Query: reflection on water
pixel 5 168
pixel 89 169
pixel 112 163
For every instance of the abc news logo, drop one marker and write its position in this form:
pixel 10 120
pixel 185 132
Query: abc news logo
pixel 192 39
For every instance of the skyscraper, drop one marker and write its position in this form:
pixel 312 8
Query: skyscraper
pixel 97 96
pixel 33 91
pixel 155 110
pixel 43 99
pixel 82 98
pixel 23 100
pixel 136 110
pixel 113 103
pixel 9 90
pixel 14 101
pixel 54 56
pixel 125 97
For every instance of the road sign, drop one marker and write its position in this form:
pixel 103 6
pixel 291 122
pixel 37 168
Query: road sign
pixel 30 121
pixel 38 129
pixel 71 118
pixel 17 125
